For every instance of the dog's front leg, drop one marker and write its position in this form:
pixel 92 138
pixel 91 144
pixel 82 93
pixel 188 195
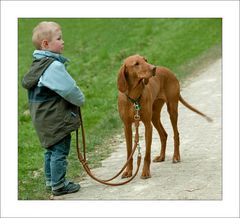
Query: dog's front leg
pixel 148 140
pixel 128 136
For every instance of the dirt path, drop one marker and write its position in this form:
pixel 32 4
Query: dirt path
pixel 198 176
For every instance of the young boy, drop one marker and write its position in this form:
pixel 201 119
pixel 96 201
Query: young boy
pixel 54 99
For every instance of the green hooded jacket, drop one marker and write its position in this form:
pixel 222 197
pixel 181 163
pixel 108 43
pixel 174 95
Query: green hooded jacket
pixel 53 117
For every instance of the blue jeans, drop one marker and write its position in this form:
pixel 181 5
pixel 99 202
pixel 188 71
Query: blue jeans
pixel 56 163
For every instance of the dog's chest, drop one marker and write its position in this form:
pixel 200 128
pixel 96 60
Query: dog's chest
pixel 128 111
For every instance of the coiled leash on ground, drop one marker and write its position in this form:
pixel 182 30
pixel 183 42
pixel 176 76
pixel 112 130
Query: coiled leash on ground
pixel 83 160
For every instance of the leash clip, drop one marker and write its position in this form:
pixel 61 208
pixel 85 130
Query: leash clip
pixel 137 107
pixel 137 116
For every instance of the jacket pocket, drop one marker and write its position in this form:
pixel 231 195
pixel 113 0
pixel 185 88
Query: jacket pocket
pixel 70 117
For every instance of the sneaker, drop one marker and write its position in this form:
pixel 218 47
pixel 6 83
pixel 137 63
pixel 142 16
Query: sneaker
pixel 70 188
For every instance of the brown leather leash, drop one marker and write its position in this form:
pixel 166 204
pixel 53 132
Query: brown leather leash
pixel 83 160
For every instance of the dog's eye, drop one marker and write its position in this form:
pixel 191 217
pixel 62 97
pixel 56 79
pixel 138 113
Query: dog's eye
pixel 136 64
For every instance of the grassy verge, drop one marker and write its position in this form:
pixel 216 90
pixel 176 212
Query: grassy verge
pixel 96 48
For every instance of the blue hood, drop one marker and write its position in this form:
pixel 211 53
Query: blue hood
pixel 39 54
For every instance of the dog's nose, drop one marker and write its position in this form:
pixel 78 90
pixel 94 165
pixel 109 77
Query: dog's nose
pixel 154 70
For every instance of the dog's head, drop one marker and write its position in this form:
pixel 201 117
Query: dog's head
pixel 134 70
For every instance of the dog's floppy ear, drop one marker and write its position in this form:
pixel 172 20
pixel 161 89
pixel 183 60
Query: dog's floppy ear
pixel 122 82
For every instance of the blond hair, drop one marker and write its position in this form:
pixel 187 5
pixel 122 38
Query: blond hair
pixel 44 31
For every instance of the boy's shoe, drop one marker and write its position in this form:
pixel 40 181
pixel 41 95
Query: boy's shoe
pixel 70 188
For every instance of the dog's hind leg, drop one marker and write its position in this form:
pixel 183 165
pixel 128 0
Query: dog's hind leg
pixel 156 120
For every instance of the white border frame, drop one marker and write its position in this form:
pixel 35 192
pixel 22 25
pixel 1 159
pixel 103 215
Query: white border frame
pixel 12 10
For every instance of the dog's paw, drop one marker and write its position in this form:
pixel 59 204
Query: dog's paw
pixel 176 159
pixel 145 175
pixel 159 159
pixel 127 174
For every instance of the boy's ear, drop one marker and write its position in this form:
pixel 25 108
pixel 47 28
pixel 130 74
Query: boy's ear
pixel 44 44
pixel 122 82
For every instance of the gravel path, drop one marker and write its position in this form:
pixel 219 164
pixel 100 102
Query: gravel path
pixel 197 176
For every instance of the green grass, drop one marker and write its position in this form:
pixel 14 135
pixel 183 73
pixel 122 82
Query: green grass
pixel 96 48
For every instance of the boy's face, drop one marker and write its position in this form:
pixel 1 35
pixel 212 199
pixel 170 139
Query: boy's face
pixel 56 44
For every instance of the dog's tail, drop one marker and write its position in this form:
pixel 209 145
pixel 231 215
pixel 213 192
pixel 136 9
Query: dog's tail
pixel 194 109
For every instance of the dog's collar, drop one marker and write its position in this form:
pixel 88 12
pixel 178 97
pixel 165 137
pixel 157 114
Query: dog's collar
pixel 136 102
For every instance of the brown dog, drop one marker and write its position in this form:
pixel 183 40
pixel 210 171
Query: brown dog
pixel 149 87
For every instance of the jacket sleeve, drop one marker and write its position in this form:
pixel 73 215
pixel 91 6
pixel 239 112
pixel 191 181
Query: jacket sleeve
pixel 58 79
